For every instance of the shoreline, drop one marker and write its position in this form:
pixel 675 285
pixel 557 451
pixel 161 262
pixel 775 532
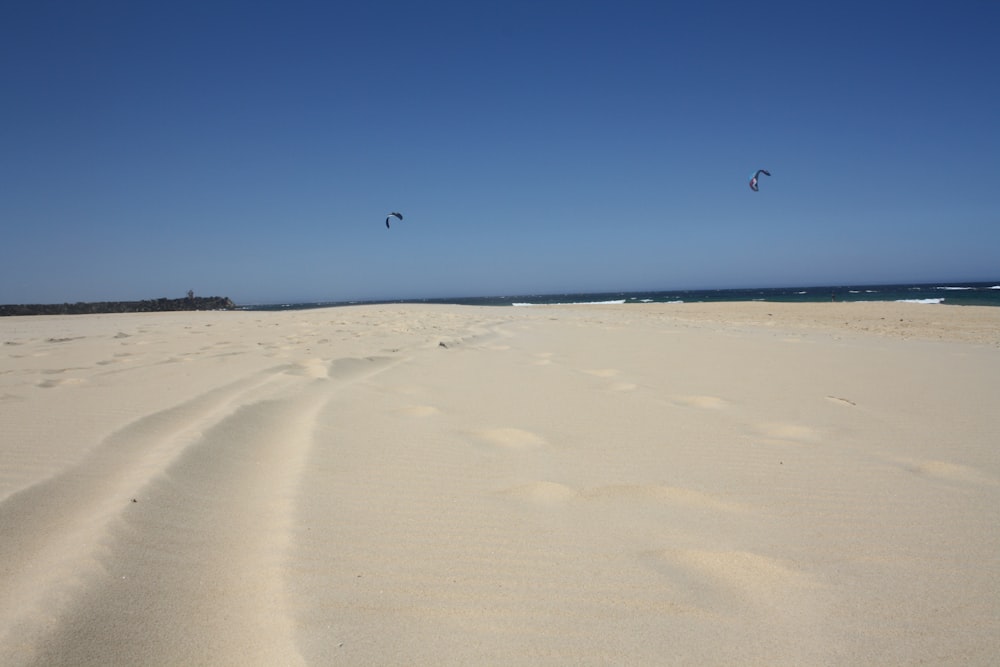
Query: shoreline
pixel 974 324
pixel 967 294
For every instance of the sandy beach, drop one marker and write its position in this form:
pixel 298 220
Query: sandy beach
pixel 661 484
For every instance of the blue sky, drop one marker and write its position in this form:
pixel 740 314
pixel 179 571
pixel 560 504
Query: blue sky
pixel 253 149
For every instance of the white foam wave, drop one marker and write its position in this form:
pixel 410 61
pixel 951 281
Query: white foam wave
pixel 955 288
pixel 573 303
pixel 919 300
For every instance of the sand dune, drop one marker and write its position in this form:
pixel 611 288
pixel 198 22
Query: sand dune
pixel 769 484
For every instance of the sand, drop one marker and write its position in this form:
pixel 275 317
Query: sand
pixel 682 484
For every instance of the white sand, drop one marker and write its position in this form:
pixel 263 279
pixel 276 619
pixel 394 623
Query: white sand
pixel 763 484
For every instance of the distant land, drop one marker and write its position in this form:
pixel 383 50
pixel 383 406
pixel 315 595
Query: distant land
pixel 148 306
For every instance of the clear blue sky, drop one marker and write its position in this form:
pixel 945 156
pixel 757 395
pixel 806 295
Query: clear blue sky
pixel 253 149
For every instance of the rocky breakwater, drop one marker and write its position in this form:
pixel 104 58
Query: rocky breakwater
pixel 146 306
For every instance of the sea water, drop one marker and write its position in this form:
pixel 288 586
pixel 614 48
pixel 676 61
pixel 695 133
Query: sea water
pixel 962 294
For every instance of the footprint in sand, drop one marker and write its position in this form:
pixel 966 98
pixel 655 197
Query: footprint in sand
pixel 622 386
pixel 610 373
pixel 63 340
pixel 727 583
pixel 951 472
pixel 49 384
pixel 840 401
pixel 513 438
pixel 603 372
pixel 760 578
pixel 116 359
pixel 184 359
pixel 314 368
pixel 702 402
pixel 543 358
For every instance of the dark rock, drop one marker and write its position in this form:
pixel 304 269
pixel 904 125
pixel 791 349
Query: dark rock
pixel 147 306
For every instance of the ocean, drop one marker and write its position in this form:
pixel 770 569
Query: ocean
pixel 958 294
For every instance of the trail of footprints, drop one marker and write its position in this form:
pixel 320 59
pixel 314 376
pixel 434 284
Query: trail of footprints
pixel 763 582
pixel 762 579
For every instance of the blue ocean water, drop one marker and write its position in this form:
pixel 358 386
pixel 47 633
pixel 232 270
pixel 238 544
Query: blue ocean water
pixel 962 294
